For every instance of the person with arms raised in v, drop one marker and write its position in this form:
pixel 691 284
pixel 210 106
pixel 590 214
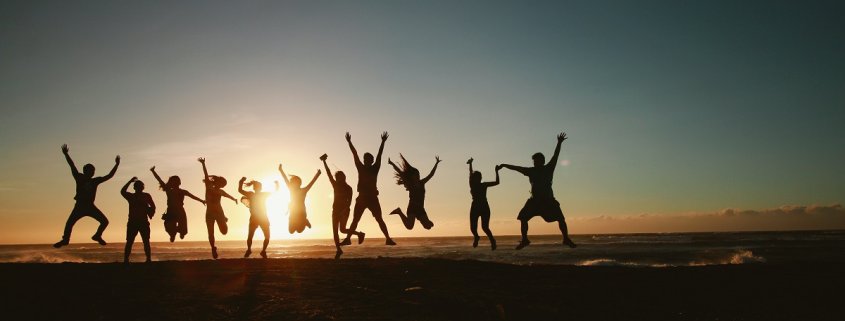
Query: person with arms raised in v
pixel 367 189
pixel 86 192
pixel 542 202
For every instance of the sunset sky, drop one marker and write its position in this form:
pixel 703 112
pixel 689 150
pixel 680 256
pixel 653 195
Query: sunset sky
pixel 682 115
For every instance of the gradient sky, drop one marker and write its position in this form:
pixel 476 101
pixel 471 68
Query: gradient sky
pixel 673 108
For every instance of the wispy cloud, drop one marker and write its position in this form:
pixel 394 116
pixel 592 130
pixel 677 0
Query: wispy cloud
pixel 790 217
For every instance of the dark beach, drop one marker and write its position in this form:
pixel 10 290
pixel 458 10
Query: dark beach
pixel 418 289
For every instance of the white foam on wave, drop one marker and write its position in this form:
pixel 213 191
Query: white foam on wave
pixel 739 257
pixel 42 257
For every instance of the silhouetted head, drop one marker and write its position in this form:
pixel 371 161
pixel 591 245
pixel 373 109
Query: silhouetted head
pixel 256 186
pixel 295 181
pixel 475 177
pixel 217 181
pixel 88 170
pixel 340 176
pixel 174 181
pixel 407 174
pixel 368 159
pixel 539 159
pixel 139 186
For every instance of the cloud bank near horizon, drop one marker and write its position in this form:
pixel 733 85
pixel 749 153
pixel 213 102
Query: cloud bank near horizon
pixel 788 217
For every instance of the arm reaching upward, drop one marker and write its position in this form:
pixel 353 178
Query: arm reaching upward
pixel 113 169
pixel 188 194
pixel 241 186
pixel 470 165
pixel 520 169
pixel 66 152
pixel 328 171
pixel 160 182
pixel 123 190
pixel 204 170
pixel 433 169
pixel 560 138
pixel 285 176
pixel 384 136
pixel 313 180
pixel 357 159
pixel 496 182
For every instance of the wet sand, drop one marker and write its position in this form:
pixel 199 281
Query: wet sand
pixel 418 289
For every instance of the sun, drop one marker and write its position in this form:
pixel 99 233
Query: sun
pixel 277 206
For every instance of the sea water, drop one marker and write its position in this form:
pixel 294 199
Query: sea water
pixel 664 249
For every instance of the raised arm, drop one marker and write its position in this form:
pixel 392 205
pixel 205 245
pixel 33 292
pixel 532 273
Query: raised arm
pixel 384 136
pixel 357 159
pixel 328 171
pixel 241 186
pixel 188 194
pixel 313 180
pixel 496 182
pixel 160 182
pixel 520 169
pixel 560 138
pixel 66 152
pixel 204 170
pixel 470 165
pixel 433 169
pixel 124 190
pixel 113 169
pixel 285 176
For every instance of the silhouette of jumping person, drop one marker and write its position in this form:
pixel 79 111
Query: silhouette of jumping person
pixel 480 208
pixel 86 192
pixel 367 189
pixel 409 177
pixel 175 218
pixel 542 202
pixel 340 207
pixel 298 219
pixel 256 201
pixel 214 210
pixel 141 209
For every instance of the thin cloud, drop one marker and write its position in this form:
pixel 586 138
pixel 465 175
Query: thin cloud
pixel 789 217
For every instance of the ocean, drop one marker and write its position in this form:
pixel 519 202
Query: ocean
pixel 635 250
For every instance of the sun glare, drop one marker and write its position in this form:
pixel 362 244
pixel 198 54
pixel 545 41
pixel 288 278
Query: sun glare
pixel 277 207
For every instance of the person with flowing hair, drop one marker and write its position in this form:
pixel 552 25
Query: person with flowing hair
pixel 175 218
pixel 298 219
pixel 256 201
pixel 214 210
pixel 408 176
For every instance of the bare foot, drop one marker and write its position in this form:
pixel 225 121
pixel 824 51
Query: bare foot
pixel 361 237
pixel 338 253
pixel 523 244
pixel 99 239
pixel 475 241
pixel 248 252
pixel 568 242
pixel 389 242
pixel 60 243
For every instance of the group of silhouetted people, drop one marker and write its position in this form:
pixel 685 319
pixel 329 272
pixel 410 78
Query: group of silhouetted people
pixel 142 207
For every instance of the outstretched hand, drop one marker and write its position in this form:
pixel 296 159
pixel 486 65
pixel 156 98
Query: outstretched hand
pixel 65 149
pixel 134 178
pixel 469 161
pixel 152 169
pixel 324 157
pixel 280 167
pixel 390 161
pixel 319 171
pixel 498 167
pixel 384 136
pixel 561 137
pixel 348 137
pixel 437 158
pixel 201 160
pixel 117 159
pixel 243 179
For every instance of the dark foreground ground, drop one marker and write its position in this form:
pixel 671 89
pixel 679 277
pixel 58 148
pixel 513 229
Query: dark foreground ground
pixel 418 289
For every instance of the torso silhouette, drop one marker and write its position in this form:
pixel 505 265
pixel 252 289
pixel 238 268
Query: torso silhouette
pixel 342 195
pixel 478 191
pixel 297 198
pixel 139 206
pixel 541 180
pixel 86 188
pixel 416 193
pixel 213 196
pixel 258 204
pixel 367 177
pixel 175 197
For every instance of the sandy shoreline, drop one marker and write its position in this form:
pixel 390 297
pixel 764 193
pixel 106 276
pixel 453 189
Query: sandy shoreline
pixel 418 289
